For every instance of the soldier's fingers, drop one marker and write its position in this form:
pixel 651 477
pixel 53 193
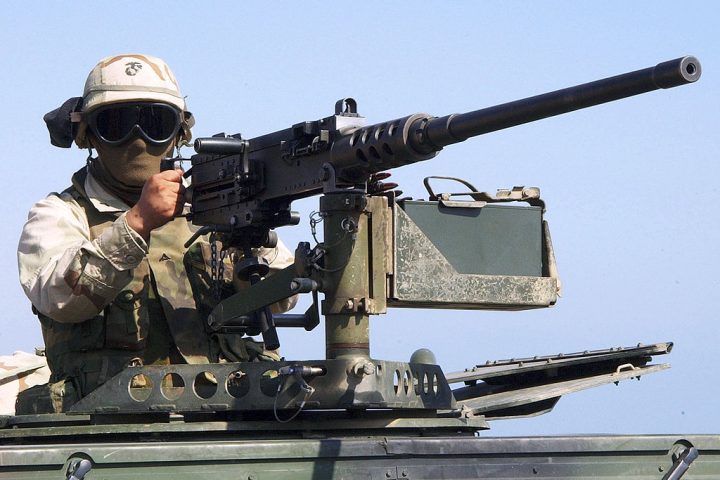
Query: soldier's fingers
pixel 174 176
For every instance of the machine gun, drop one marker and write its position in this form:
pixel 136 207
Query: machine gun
pixel 244 188
pixel 379 251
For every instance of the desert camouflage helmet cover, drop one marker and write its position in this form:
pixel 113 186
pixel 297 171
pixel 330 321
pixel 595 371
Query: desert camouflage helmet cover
pixel 127 78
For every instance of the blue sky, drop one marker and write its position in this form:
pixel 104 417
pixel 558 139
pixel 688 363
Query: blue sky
pixel 631 187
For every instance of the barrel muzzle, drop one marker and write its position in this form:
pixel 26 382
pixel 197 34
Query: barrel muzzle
pixel 677 72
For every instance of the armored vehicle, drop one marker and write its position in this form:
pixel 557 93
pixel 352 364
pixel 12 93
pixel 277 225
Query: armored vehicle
pixel 349 415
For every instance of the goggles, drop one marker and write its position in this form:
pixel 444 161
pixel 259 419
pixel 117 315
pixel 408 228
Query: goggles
pixel 114 124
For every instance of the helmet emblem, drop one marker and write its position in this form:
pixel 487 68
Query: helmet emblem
pixel 132 68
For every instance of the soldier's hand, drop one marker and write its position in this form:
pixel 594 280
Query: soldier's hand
pixel 162 197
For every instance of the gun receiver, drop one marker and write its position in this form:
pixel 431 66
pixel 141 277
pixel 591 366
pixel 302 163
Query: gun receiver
pixel 241 183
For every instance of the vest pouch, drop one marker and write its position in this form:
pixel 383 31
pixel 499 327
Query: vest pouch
pixel 56 397
pixel 126 321
pixel 61 338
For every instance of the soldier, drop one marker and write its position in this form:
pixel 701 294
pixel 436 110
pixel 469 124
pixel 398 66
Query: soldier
pixel 103 262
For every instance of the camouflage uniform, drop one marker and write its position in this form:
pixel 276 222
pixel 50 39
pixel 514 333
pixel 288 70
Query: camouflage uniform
pixel 106 298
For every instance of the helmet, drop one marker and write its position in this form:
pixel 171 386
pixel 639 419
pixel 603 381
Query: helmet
pixel 130 77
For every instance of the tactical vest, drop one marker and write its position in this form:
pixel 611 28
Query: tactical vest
pixel 90 352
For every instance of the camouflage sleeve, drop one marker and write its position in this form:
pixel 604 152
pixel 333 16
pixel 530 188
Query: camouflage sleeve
pixel 67 276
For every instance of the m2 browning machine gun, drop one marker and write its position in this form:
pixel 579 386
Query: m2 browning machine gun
pixel 244 188
pixel 379 251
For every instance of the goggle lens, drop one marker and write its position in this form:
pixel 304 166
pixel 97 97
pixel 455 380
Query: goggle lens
pixel 158 122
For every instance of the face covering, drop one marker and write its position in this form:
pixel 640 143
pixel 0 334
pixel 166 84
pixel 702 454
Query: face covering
pixel 124 169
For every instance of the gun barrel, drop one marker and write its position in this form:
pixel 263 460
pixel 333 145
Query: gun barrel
pixel 450 129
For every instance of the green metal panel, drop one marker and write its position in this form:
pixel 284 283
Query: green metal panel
pixel 492 240
pixel 376 458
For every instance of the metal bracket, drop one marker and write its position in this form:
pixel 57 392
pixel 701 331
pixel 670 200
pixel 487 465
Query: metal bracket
pixel 391 385
pixel 682 463
pixel 78 468
pixel 329 180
